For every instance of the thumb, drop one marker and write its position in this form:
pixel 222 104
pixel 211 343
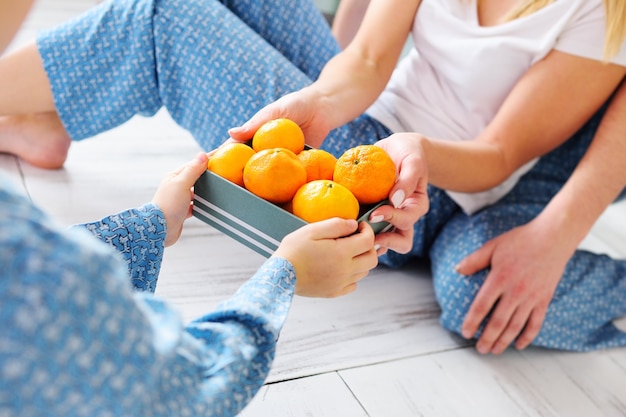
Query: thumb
pixel 193 169
pixel 333 228
pixel 476 261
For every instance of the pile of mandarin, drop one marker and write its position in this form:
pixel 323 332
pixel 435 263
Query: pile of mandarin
pixel 310 183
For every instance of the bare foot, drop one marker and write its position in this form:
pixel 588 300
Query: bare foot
pixel 38 139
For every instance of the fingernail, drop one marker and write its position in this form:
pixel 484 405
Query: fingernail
pixel 482 348
pixel 376 247
pixel 466 334
pixel 397 198
pixel 234 129
pixel 377 219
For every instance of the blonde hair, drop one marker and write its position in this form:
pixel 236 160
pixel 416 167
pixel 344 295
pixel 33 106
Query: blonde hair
pixel 615 11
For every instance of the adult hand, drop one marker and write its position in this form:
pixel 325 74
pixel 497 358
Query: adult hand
pixel 329 257
pixel 409 196
pixel 175 194
pixel 301 107
pixel 526 267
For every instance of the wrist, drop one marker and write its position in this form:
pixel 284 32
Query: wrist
pixel 565 224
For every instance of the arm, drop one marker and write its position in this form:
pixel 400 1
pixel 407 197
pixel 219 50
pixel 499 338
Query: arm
pixel 547 106
pixel 525 266
pixel 347 86
pixel 140 235
pixel 72 317
pixel 349 82
pixel 105 348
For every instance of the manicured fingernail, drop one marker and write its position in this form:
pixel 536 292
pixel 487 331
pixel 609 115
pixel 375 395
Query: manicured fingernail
pixel 397 198
pixel 377 219
pixel 234 129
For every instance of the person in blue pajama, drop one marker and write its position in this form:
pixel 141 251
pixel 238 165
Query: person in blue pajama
pixel 84 335
pixel 224 67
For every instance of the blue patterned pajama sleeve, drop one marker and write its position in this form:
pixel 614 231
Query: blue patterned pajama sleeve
pixel 78 340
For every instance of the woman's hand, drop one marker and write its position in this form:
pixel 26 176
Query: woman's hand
pixel 302 107
pixel 174 196
pixel 526 267
pixel 409 197
pixel 330 256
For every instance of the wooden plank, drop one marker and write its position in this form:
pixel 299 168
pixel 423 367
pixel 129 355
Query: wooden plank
pixel 320 396
pixel 462 382
pixel 599 378
pixel 391 315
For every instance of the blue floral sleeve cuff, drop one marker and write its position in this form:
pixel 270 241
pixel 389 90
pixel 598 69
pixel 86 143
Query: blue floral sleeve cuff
pixel 138 235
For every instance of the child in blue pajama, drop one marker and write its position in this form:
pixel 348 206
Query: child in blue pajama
pixel 78 340
pixel 83 335
pixel 214 64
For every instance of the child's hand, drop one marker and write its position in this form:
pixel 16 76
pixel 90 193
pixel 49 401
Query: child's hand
pixel 329 257
pixel 175 194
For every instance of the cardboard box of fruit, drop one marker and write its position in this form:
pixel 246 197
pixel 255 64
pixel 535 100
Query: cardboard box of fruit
pixel 259 195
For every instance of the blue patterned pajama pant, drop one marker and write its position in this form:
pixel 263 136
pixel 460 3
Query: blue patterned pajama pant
pixel 212 64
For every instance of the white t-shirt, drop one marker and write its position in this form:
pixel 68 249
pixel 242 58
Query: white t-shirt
pixel 452 83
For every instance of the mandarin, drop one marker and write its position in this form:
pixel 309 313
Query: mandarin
pixel 319 164
pixel 274 174
pixel 229 160
pixel 323 199
pixel 368 171
pixel 279 133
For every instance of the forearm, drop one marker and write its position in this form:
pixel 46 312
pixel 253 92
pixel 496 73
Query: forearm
pixel 347 86
pixel 468 166
pixel 596 182
pixel 132 347
pixel 546 107
pixel 353 79
pixel 241 337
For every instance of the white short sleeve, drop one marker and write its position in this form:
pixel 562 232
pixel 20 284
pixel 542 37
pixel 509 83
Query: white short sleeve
pixel 583 37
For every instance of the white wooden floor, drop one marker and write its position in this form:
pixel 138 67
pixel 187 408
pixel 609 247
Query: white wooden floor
pixel 378 352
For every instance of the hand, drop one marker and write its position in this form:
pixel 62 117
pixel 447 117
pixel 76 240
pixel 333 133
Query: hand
pixel 408 196
pixel 174 196
pixel 329 257
pixel 300 107
pixel 526 267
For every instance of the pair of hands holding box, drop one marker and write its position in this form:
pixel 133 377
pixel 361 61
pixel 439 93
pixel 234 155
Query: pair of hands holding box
pixel 329 255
